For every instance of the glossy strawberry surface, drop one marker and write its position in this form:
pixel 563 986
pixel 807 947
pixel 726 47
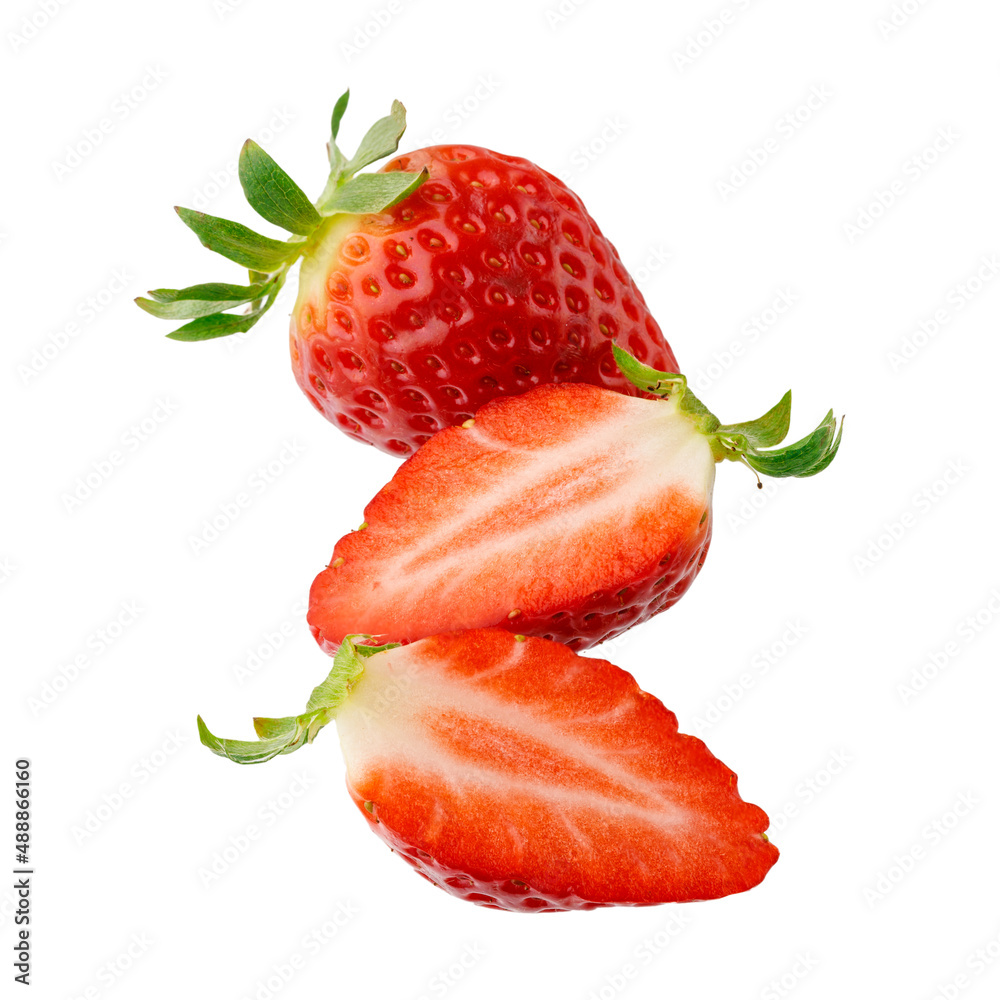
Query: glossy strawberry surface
pixel 491 278
pixel 514 774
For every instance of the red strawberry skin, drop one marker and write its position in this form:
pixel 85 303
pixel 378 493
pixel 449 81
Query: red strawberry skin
pixel 490 279
pixel 513 773
pixel 570 512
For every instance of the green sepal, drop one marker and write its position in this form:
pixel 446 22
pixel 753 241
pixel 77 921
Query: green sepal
pixel 217 325
pixel 743 442
pixel 250 751
pixel 337 158
pixel 273 194
pixel 225 324
pixel 186 308
pixel 370 193
pixel 831 453
pixel 769 429
pixel 804 458
pixel 285 735
pixel 648 379
pixel 198 300
pixel 338 113
pixel 238 243
pixel 380 140
pixel 212 291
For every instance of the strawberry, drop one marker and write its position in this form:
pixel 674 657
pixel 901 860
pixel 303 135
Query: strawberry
pixel 452 276
pixel 515 774
pixel 570 512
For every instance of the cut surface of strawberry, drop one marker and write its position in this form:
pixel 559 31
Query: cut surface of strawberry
pixel 570 512
pixel 512 773
pixel 452 276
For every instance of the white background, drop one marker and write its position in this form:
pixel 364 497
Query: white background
pixel 883 800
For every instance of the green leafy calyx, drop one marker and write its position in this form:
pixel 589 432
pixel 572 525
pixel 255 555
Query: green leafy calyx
pixel 279 200
pixel 753 442
pixel 276 736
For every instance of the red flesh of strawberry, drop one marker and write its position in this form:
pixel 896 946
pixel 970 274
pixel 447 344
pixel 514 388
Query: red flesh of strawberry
pixel 517 775
pixel 490 279
pixel 571 512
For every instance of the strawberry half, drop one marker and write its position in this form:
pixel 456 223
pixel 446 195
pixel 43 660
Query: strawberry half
pixel 570 512
pixel 453 276
pixel 514 774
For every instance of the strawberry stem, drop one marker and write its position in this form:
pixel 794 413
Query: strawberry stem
pixel 285 735
pixel 751 442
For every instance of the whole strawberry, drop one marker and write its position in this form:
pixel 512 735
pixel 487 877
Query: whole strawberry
pixel 569 512
pixel 514 774
pixel 452 276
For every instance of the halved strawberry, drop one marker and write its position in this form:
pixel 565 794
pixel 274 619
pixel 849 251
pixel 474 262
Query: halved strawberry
pixel 570 512
pixel 451 277
pixel 512 773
